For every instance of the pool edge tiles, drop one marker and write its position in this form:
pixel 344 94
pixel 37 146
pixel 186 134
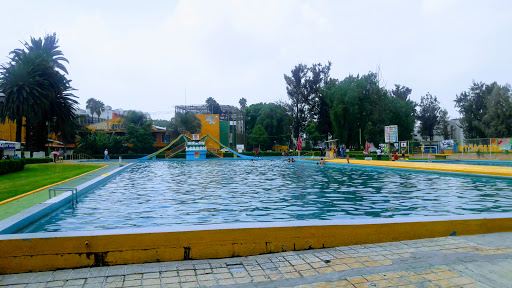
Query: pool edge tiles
pixel 461 169
pixel 60 250
pixel 38 211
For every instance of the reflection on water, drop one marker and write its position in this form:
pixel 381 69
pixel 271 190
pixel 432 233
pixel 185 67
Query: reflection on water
pixel 209 192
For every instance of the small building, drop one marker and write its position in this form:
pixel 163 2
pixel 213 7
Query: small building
pixel 226 126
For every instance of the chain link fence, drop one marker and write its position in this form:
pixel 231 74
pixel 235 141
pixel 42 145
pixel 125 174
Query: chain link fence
pixel 481 148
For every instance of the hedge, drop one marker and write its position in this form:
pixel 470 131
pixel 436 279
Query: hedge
pixel 278 153
pixel 37 160
pixel 12 165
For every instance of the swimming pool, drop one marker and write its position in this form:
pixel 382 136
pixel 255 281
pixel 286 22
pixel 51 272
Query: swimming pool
pixel 181 193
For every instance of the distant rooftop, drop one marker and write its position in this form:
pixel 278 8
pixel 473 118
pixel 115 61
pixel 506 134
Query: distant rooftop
pixel 228 112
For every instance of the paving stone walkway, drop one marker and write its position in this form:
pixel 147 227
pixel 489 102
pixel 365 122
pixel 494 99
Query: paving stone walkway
pixel 467 261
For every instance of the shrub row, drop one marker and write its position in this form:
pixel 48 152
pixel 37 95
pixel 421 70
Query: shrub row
pixel 10 166
pixel 278 153
pixel 37 160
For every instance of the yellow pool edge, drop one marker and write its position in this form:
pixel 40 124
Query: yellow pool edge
pixel 37 252
pixel 454 168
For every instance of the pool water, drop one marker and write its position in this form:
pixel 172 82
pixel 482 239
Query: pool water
pixel 176 193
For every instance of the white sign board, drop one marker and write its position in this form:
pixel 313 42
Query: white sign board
pixel 391 134
pixel 240 148
pixel 403 144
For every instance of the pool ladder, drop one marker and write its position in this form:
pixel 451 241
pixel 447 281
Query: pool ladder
pixel 74 194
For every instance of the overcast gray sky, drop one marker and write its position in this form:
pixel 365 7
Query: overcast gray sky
pixel 144 54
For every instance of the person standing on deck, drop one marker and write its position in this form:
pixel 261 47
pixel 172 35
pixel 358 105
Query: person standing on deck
pixel 106 155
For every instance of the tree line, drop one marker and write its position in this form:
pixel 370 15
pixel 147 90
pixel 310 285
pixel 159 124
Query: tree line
pixel 356 109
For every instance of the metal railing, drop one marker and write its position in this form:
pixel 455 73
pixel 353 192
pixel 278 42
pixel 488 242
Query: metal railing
pixel 215 152
pixel 175 150
pixel 80 156
pixel 74 193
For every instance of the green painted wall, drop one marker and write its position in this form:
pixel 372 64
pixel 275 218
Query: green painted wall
pixel 224 132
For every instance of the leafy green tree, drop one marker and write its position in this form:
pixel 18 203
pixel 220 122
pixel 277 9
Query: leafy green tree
pixel 182 123
pixel 472 106
pixel 136 118
pixel 94 143
pixel 401 92
pixel 161 122
pixel 273 117
pixel 443 129
pixel 428 115
pixel 304 89
pixel 259 137
pixel 498 117
pixel 485 110
pixel 358 105
pixel 296 88
pixel 213 106
pixel 313 135
pixel 140 138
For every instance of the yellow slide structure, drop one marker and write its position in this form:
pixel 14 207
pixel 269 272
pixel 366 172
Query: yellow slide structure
pixel 163 149
pixel 224 146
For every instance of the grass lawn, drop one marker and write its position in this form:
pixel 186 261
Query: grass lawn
pixel 38 175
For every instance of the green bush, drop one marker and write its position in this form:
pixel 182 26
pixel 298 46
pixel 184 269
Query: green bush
pixel 37 160
pixel 277 153
pixel 10 166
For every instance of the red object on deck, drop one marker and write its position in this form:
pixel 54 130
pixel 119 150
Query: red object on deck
pixel 299 145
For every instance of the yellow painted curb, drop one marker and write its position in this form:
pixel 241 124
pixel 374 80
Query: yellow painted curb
pixel 458 168
pixel 44 253
pixel 51 185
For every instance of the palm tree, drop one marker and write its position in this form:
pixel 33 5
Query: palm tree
pixel 90 105
pixel 36 90
pixel 100 107
pixel 47 47
pixel 24 84
pixel 95 106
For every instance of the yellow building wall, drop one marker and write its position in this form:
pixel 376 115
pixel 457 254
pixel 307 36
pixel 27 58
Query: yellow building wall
pixel 210 125
pixel 8 131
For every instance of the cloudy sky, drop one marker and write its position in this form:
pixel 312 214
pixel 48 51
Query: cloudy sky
pixel 145 54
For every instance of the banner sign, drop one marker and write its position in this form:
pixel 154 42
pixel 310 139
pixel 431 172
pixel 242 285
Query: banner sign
pixel 504 144
pixel 447 144
pixel 9 145
pixel 391 134
pixel 403 144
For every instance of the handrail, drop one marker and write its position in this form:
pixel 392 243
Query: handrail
pixel 163 149
pixel 224 146
pixel 80 156
pixel 214 152
pixel 175 150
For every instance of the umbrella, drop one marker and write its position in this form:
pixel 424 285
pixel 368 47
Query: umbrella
pixel 54 153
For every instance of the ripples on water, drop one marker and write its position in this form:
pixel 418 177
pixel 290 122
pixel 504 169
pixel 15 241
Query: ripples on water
pixel 170 193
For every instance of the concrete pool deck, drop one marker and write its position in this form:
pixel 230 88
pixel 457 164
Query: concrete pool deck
pixel 463 261
pixel 454 168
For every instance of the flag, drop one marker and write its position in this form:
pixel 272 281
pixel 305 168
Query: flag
pixel 299 145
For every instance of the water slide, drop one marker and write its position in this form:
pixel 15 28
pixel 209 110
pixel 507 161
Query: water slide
pixel 224 146
pixel 153 155
pixel 163 149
